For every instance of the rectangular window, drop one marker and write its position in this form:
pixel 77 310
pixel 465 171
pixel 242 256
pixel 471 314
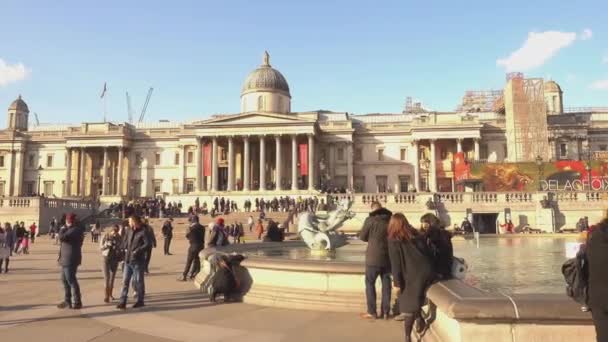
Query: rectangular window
pixel 138 159
pixel 29 188
pixel 403 154
pixel 31 160
pixel 223 154
pixel 340 153
pixel 563 150
pixel 1 161
pixel 189 186
pixel 48 188
pixel 381 154
pixel 404 183
pixel 176 158
pixel 443 154
pixel 483 151
pixel 158 183
pixel 190 157
pixel 157 159
pixel 381 182
pixel 175 186
pixel 359 184
pixel 358 154
pixel 49 160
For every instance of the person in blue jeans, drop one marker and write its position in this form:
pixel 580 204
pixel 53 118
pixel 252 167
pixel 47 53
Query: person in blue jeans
pixel 70 256
pixel 136 243
pixel 377 262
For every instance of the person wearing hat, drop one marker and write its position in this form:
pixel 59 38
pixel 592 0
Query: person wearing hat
pixel 71 236
pixel 219 236
pixel 196 239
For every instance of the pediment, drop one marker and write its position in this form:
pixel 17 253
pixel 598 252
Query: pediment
pixel 255 119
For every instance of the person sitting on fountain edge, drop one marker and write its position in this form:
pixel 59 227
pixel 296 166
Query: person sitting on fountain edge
pixel 377 263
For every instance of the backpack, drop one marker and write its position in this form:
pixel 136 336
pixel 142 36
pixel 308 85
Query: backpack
pixel 575 274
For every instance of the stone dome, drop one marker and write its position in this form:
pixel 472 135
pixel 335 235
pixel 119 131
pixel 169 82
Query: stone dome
pixel 265 78
pixel 552 87
pixel 19 105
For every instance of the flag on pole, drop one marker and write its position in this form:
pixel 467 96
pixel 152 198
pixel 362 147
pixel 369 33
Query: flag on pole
pixel 103 92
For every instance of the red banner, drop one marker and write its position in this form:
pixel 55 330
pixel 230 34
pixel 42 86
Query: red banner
pixel 303 159
pixel 206 160
pixel 462 170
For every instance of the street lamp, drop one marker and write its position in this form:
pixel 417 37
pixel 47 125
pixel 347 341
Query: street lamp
pixel 588 169
pixel 539 164
pixel 39 169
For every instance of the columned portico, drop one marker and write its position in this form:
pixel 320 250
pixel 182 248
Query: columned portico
pixel 262 164
pixel 68 172
pixel 198 184
pixel 214 175
pixel 119 181
pixel 230 183
pixel 104 173
pixel 294 162
pixel 246 164
pixel 278 166
pixel 81 184
pixel 349 166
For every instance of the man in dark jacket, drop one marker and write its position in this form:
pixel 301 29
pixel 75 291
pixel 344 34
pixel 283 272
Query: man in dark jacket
pixel 70 256
pixel 377 263
pixel 597 256
pixel 136 243
pixel 196 239
pixel 20 234
pixel 152 239
pixel 167 231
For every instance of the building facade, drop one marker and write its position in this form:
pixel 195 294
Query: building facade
pixel 269 147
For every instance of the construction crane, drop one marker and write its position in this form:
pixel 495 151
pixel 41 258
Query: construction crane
pixel 143 109
pixel 36 117
pixel 129 109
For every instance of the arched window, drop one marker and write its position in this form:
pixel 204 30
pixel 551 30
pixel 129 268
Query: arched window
pixel 260 103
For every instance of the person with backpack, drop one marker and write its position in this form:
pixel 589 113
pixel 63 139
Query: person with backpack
pixel 597 258
pixel 196 239
pixel 377 263
pixel 219 236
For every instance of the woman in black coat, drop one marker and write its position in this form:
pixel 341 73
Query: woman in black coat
pixel 597 256
pixel 411 267
pixel 439 244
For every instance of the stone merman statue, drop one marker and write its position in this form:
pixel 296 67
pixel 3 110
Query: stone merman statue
pixel 319 232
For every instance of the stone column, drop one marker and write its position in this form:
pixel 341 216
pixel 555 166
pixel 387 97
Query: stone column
pixel 214 174
pixel 81 177
pixel 278 174
pixel 476 157
pixel 311 162
pixel 458 145
pixel 247 164
pixel 19 161
pixel 9 168
pixel 294 162
pixel 230 186
pixel 433 168
pixel 198 184
pixel 349 166
pixel 68 172
pixel 104 173
pixel 416 165
pixel 119 181
pixel 262 164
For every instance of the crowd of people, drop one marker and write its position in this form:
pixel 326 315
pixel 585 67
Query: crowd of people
pixel 413 258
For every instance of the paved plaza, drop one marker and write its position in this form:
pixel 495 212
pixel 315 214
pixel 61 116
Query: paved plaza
pixel 174 311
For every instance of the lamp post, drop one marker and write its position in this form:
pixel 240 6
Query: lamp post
pixel 539 164
pixel 39 169
pixel 588 169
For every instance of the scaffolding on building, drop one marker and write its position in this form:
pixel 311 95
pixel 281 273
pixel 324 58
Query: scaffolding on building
pixel 413 107
pixel 479 100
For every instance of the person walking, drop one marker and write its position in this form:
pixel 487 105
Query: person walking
pixel 377 263
pixel 110 247
pixel 167 231
pixel 152 238
pixel 136 243
pixel 10 238
pixel 19 234
pixel 196 240
pixel 33 231
pixel 71 237
pixel 597 258
pixel 250 223
pixel 5 249
pixel 412 270
pixel 259 229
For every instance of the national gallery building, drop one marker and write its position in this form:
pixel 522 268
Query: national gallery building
pixel 270 148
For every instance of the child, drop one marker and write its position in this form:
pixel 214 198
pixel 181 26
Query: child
pixel 25 244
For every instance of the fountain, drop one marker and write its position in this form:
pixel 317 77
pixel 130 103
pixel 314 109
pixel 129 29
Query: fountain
pixel 319 231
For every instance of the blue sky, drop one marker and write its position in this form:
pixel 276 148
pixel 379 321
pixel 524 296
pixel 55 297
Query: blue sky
pixel 359 57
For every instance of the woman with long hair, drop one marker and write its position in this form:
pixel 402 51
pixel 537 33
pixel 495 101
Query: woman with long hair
pixel 439 243
pixel 111 252
pixel 412 270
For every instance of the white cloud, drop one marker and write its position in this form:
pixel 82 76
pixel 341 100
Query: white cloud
pixel 599 85
pixel 587 34
pixel 10 73
pixel 537 49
